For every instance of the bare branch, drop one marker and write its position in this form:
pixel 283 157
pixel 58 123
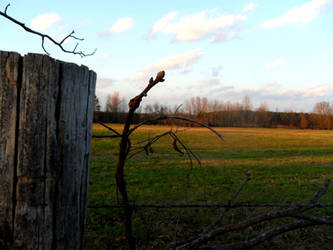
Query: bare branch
pixel 6 8
pixel 166 117
pixel 105 136
pixel 43 36
pixel 234 196
pixel 179 106
pixel 190 154
pixel 269 234
pixel 124 149
pixel 109 128
pixel 145 147
pixel 319 220
pixel 171 245
pixel 290 212
pixel 71 35
pixel 321 191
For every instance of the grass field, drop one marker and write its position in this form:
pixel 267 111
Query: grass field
pixel 286 166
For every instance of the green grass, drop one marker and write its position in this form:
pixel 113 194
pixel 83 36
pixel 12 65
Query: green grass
pixel 286 166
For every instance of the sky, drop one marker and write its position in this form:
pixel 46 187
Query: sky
pixel 279 52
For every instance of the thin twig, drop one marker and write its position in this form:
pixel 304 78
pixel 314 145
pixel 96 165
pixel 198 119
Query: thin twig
pixel 234 196
pixel 105 136
pixel 6 8
pixel 166 117
pixel 109 128
pixel 177 109
pixel 145 147
pixel 270 234
pixel 321 191
pixel 190 154
pixel 43 36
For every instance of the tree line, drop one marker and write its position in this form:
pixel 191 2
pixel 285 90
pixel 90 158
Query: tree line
pixel 219 113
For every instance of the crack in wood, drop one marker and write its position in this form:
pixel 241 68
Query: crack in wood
pixel 17 133
pixel 60 163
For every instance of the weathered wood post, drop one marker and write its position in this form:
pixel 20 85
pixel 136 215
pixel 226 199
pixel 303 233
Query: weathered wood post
pixel 46 111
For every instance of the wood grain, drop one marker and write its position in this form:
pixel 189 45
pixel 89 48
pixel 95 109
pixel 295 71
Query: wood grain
pixel 47 167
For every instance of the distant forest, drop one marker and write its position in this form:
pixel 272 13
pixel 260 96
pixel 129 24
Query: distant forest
pixel 220 114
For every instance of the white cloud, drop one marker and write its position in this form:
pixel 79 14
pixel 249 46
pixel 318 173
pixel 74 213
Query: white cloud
pixel 209 81
pixel 121 25
pixel 45 21
pixel 303 14
pixel 197 26
pixel 277 63
pixel 319 91
pixel 277 96
pixel 181 61
pixel 249 7
pixel 162 23
pixel 104 83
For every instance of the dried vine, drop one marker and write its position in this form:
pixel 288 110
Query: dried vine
pixel 124 148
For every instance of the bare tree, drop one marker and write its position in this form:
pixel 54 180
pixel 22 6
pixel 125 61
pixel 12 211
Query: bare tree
pixel 247 105
pixel 113 102
pixel 322 108
pixel 324 111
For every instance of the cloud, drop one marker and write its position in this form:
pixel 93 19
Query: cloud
pixel 180 61
pixel 224 35
pixel 303 14
pixel 209 81
pixel 277 96
pixel 198 26
pixel 277 63
pixel 319 91
pixel 216 71
pixel 121 25
pixel 249 7
pixel 162 23
pixel 45 21
pixel 185 71
pixel 102 83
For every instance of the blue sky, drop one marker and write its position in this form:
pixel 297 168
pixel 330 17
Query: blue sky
pixel 280 52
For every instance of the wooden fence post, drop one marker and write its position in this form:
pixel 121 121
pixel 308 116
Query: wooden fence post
pixel 46 111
